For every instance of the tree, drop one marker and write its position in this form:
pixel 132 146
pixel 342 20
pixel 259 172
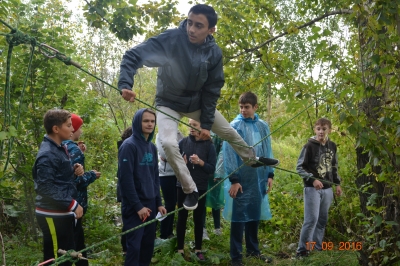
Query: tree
pixel 279 48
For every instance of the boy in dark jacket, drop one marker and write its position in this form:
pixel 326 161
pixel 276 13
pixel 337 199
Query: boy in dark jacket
pixel 317 162
pixel 140 187
pixel 82 182
pixel 189 82
pixel 53 175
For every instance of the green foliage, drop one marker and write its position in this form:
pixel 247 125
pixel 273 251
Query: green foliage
pixel 343 67
pixel 127 19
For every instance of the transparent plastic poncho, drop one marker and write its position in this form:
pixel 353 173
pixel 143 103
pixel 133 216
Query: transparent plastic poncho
pixel 252 204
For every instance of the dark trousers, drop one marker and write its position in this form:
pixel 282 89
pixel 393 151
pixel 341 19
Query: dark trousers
pixel 140 242
pixel 251 237
pixel 58 233
pixel 197 219
pixel 79 238
pixel 168 188
pixel 123 239
pixel 216 213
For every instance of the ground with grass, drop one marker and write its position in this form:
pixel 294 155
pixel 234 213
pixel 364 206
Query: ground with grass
pixel 278 237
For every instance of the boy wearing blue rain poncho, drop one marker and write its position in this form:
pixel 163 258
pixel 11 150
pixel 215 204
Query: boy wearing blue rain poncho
pixel 246 190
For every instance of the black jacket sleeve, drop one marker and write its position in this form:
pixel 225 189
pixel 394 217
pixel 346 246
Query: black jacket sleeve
pixel 151 53
pixel 210 94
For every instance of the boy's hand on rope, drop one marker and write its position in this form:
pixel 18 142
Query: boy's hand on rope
pixel 144 213
pixel 205 134
pixel 82 146
pixel 269 184
pixel 318 185
pixel 162 210
pixel 339 191
pixel 128 95
pixel 235 189
pixel 98 174
pixel 78 169
pixel 78 212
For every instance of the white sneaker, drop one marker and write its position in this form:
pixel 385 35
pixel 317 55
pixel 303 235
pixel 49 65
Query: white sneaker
pixel 205 234
pixel 218 231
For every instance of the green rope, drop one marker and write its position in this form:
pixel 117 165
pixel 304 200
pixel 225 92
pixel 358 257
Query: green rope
pixel 291 119
pixel 7 108
pixel 11 142
pixel 17 38
pixel 6 24
pixel 68 61
pixel 65 257
pixel 14 38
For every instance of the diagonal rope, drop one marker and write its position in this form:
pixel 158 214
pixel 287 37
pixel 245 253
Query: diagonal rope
pixel 7 108
pixel 16 38
pixel 11 141
pixel 68 61
pixel 68 257
pixel 294 117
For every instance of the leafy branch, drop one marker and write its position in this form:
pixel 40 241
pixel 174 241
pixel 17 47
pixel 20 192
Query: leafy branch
pixel 333 13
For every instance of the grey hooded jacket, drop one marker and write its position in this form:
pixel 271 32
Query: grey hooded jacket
pixel 190 76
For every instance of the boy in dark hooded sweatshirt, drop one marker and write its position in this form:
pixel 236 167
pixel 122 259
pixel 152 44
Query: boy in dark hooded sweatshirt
pixel 140 187
pixel 317 162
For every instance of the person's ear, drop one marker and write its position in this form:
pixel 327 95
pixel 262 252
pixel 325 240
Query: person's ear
pixel 55 129
pixel 211 30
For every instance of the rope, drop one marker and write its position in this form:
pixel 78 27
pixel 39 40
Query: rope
pixel 287 122
pixel 67 257
pixel 7 108
pixel 67 60
pixel 15 38
pixel 11 142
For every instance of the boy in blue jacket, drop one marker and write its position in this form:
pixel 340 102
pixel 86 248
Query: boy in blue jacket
pixel 140 187
pixel 189 82
pixel 82 182
pixel 53 176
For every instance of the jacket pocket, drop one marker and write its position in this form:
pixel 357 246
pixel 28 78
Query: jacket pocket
pixel 202 75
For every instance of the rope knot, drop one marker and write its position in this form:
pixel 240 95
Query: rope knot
pixel 16 38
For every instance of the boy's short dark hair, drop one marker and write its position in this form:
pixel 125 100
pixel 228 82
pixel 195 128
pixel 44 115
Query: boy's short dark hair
pixel 127 133
pixel 148 110
pixel 248 97
pixel 322 122
pixel 55 117
pixel 207 11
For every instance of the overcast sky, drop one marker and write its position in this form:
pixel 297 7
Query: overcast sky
pixel 183 6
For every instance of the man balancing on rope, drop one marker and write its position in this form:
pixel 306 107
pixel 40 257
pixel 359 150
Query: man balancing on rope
pixel 190 78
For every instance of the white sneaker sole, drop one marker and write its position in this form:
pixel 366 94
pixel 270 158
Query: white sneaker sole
pixel 190 208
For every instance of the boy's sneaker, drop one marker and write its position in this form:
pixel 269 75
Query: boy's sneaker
pixel 205 234
pixel 191 200
pixel 302 254
pixel 218 231
pixel 264 258
pixel 261 257
pixel 200 256
pixel 262 161
pixel 237 263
